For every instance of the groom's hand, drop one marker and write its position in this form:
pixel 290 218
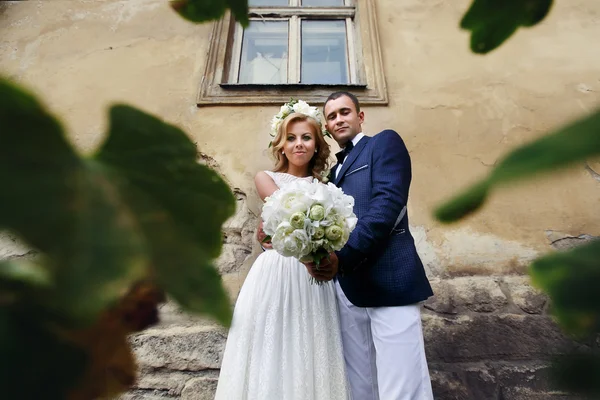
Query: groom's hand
pixel 328 267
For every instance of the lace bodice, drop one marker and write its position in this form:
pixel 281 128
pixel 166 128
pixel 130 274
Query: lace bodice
pixel 282 178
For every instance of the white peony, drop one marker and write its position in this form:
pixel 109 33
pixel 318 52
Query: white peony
pixel 275 123
pixel 294 244
pixel 283 111
pixel 303 107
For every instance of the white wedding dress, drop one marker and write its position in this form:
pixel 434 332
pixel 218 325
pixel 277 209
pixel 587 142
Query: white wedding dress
pixel 285 341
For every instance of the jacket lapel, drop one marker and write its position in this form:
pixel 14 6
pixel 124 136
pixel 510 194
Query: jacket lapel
pixel 351 158
pixel 332 176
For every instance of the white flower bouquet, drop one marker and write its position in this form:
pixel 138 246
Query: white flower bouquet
pixel 308 220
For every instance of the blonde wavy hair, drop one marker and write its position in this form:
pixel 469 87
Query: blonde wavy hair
pixel 320 160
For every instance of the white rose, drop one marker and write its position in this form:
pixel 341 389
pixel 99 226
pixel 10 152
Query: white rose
pixel 275 123
pixel 351 223
pixel 335 245
pixel 294 244
pixel 302 107
pixel 341 203
pixel 294 201
pixel 284 111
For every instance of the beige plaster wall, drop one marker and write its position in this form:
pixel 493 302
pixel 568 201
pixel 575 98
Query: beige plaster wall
pixel 457 112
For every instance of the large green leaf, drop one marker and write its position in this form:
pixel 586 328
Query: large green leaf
pixel 66 207
pixel 180 206
pixel 571 280
pixel 578 373
pixel 573 143
pixel 141 207
pixel 491 22
pixel 16 273
pixel 36 363
pixel 208 10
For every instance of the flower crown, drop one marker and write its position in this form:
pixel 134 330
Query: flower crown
pixel 295 106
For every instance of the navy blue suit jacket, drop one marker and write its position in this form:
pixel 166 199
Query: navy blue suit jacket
pixel 379 266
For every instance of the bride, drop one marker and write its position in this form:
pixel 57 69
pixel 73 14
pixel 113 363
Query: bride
pixel 285 341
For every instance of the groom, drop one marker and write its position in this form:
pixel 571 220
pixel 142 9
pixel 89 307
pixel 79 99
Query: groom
pixel 380 277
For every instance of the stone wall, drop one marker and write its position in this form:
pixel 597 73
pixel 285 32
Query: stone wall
pixel 486 338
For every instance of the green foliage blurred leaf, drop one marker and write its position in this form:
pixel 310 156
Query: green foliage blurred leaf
pixel 141 207
pixel 578 373
pixel 180 206
pixel 208 10
pixel 571 279
pixel 573 143
pixel 23 273
pixel 66 207
pixel 491 22
pixel 36 362
pixel 463 204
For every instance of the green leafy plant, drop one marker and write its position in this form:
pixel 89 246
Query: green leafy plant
pixel 491 22
pixel 117 231
pixel 206 10
pixel 139 216
pixel 569 278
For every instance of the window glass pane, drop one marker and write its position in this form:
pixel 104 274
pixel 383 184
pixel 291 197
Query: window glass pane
pixel 323 3
pixel 264 53
pixel 260 3
pixel 324 55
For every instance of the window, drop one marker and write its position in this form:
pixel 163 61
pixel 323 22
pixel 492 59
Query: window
pixel 299 48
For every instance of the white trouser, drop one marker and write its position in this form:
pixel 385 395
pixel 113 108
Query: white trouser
pixel 384 351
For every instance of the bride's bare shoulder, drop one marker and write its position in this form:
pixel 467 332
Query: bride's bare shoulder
pixel 264 176
pixel 265 185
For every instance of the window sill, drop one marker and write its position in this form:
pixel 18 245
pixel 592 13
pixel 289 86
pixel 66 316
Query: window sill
pixel 291 86
pixel 267 94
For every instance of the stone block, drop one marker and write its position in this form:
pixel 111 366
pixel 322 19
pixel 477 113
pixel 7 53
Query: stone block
pixel 171 315
pixel 487 337
pixel 241 227
pixel 525 296
pixel 232 258
pixel 193 348
pixel 518 393
pixel 200 389
pixel 443 299
pixel 171 382
pixel 519 380
pixel 248 234
pixel 460 382
pixel 478 294
pixel 530 380
pixel 146 395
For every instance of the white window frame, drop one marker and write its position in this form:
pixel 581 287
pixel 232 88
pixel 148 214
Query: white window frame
pixel 365 67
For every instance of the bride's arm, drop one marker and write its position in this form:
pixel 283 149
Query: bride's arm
pixel 265 186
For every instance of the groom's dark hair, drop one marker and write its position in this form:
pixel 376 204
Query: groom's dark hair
pixel 337 95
